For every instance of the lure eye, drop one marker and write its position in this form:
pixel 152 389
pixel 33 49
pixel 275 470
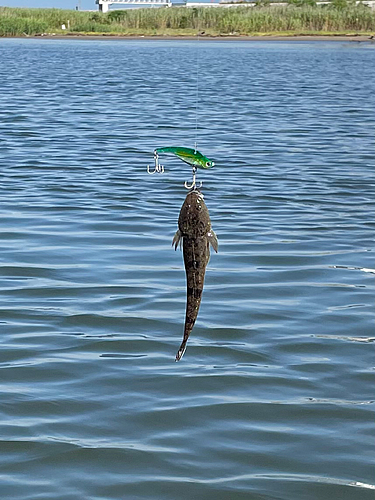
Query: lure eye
pixel 208 164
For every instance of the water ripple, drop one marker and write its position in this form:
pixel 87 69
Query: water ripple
pixel 273 399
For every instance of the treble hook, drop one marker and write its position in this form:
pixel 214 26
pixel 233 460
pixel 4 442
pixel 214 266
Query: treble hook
pixel 193 185
pixel 158 168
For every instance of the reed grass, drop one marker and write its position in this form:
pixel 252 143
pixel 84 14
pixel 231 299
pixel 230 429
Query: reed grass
pixel 337 18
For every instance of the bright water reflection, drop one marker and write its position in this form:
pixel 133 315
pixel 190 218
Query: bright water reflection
pixel 273 399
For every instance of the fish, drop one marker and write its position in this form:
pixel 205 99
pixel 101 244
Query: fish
pixel 196 234
pixel 190 156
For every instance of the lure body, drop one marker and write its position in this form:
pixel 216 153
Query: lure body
pixel 194 228
pixel 188 155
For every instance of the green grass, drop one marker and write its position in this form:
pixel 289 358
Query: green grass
pixel 295 19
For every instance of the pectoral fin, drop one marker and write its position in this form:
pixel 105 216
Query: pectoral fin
pixel 212 238
pixel 177 239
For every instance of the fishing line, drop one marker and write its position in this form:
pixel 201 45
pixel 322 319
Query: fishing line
pixel 188 155
pixel 197 84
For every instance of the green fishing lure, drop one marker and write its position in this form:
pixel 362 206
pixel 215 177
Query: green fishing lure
pixel 188 155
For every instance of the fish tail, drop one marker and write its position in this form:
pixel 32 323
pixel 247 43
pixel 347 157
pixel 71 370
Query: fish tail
pixel 181 350
pixel 189 323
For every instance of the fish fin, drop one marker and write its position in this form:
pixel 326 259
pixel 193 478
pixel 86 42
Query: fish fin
pixel 212 238
pixel 181 351
pixel 177 239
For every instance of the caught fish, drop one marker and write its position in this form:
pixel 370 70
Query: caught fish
pixel 190 156
pixel 194 229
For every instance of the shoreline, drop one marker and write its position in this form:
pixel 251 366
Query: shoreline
pixel 276 38
pixel 303 22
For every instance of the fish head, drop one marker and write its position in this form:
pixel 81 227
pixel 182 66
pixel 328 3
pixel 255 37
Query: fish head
pixel 204 162
pixel 194 219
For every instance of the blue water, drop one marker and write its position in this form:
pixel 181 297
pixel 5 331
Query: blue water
pixel 274 398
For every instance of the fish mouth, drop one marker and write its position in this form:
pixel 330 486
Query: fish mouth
pixel 196 190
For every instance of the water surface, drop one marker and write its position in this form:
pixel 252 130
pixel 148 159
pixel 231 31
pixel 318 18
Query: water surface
pixel 274 397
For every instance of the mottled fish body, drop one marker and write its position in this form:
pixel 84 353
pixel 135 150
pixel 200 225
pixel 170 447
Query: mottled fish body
pixel 194 228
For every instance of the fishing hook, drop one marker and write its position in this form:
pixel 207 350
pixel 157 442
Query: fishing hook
pixel 193 185
pixel 158 168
